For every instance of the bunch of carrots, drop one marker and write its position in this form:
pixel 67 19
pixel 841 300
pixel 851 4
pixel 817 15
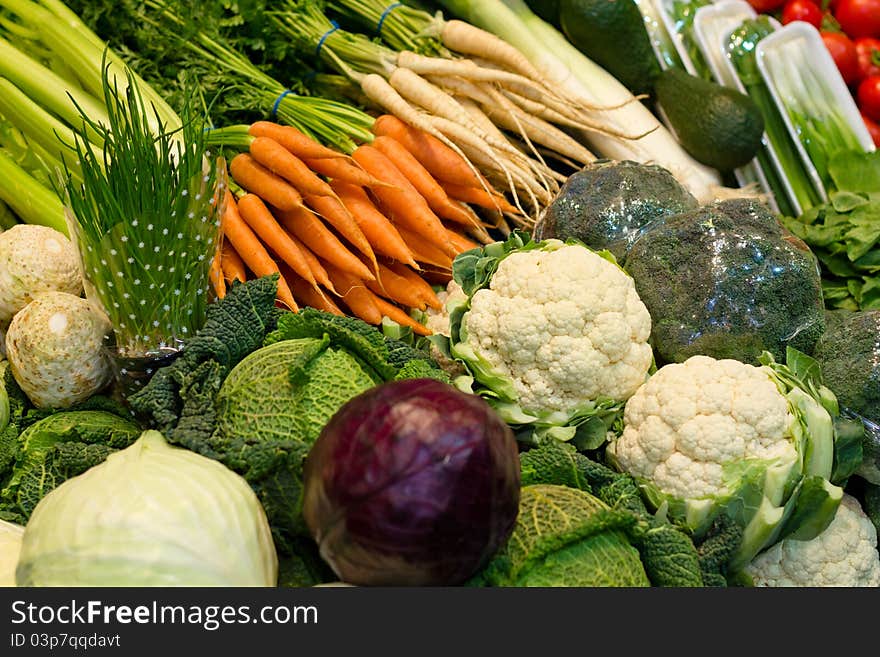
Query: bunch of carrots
pixel 365 234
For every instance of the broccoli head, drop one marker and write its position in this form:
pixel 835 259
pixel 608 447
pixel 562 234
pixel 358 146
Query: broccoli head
pixel 608 203
pixel 727 281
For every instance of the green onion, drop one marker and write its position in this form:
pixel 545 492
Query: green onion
pixel 741 50
pixel 145 219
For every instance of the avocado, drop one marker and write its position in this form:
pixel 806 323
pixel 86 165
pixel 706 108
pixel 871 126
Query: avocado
pixel 718 126
pixel 613 34
pixel 609 203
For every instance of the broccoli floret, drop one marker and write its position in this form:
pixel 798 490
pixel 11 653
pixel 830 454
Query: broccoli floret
pixel 849 354
pixel 726 281
pixel 607 204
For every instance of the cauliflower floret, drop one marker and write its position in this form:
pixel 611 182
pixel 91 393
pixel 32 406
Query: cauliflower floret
pixel 692 419
pixel 565 325
pixel 845 554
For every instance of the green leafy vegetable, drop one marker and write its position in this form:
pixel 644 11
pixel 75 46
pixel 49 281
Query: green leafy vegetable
pixel 57 448
pixel 845 232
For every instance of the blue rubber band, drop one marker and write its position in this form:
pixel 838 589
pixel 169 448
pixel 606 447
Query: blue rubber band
pixel 324 38
pixel 278 102
pixel 384 15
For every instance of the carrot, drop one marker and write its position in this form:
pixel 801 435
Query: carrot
pixel 315 265
pixel 393 312
pixel 310 296
pixel 337 215
pixel 343 170
pixel 397 288
pixel 257 179
pixel 443 162
pixel 252 251
pixel 422 181
pixel 424 290
pixel 231 263
pixel 355 294
pixel 424 251
pixel 478 196
pixel 216 276
pixel 312 232
pixel 297 142
pixel 409 208
pixel 381 233
pixel 461 242
pixel 282 162
pixel 260 219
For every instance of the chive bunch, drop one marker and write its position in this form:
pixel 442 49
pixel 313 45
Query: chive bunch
pixel 145 217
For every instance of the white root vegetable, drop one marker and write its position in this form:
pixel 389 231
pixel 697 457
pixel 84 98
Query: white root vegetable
pixel 55 347
pixel 35 259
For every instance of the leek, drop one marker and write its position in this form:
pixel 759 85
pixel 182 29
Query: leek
pixel 30 200
pixel 565 66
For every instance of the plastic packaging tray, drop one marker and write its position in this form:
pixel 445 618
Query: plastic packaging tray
pixel 712 27
pixel 782 44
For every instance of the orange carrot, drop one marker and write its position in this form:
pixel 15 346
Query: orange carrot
pixel 343 170
pixel 257 179
pixel 315 265
pixel 252 251
pixel 408 207
pixel 393 312
pixel 337 215
pixel 312 232
pixel 311 296
pixel 461 242
pixel 397 288
pixel 216 276
pixel 381 233
pixel 424 251
pixel 297 142
pixel 260 219
pixel 478 196
pixel 422 181
pixel 425 291
pixel 231 263
pixel 443 162
pixel 360 301
pixel 282 162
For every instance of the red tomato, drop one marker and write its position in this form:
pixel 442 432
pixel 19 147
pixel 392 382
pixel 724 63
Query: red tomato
pixel 859 18
pixel 869 97
pixel 868 51
pixel 873 130
pixel 843 52
pixel 802 10
pixel 764 6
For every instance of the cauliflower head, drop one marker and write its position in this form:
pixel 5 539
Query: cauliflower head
pixel 564 325
pixel 694 424
pixel 845 554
